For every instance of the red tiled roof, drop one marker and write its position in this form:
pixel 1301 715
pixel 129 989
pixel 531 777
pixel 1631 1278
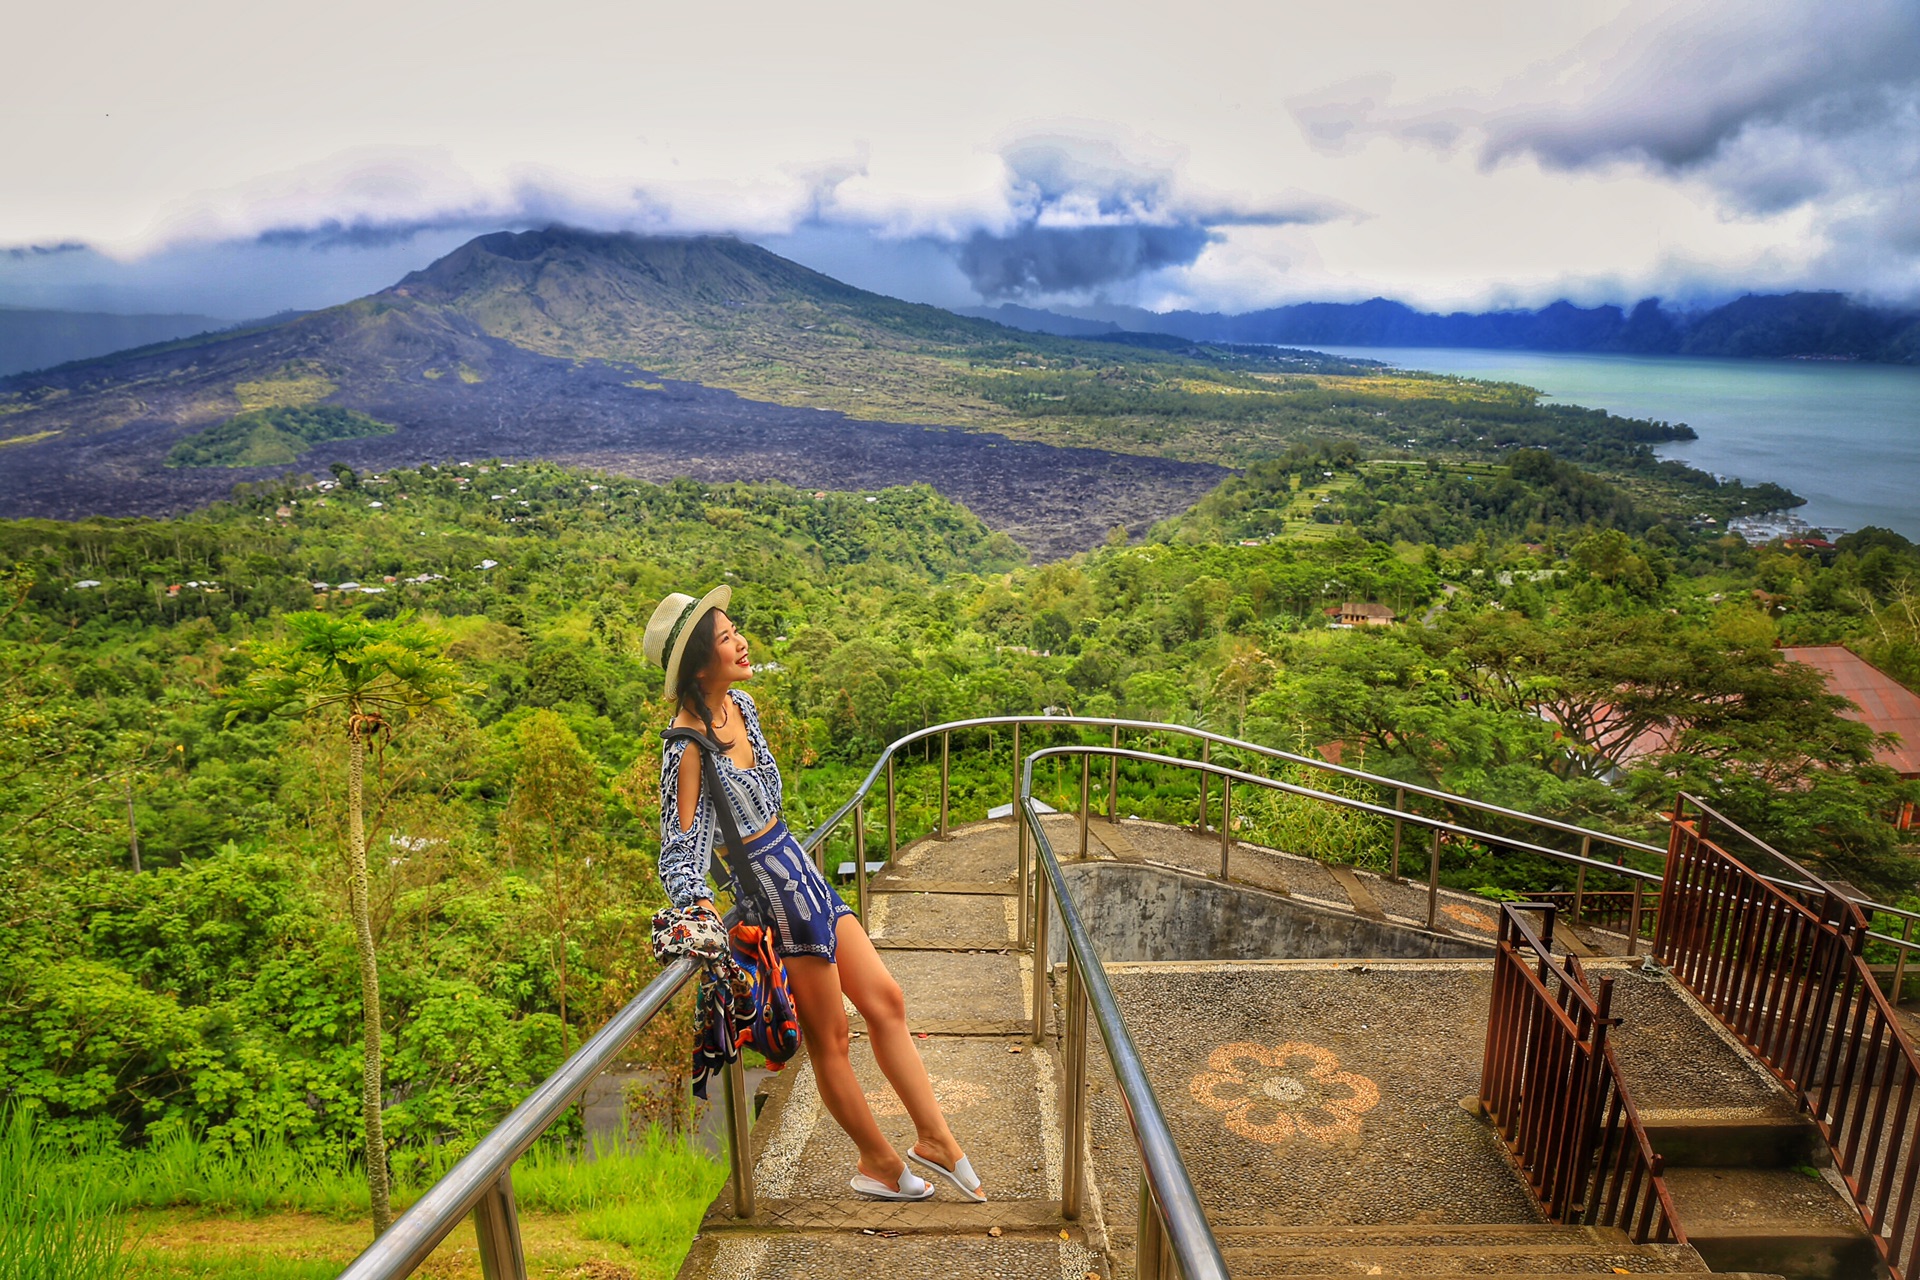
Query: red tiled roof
pixel 1885 705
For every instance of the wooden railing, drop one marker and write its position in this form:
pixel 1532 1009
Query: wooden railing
pixel 1551 1086
pixel 1780 961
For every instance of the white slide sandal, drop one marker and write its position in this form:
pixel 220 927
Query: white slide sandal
pixel 962 1176
pixel 912 1187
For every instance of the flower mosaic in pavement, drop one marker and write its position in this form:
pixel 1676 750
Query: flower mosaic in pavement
pixel 1273 1093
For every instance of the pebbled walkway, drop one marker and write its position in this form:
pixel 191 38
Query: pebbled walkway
pixel 1317 1103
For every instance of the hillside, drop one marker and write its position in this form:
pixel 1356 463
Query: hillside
pixel 661 357
pixel 1772 326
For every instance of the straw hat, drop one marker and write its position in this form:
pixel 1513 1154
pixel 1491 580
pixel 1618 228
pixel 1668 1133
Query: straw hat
pixel 672 625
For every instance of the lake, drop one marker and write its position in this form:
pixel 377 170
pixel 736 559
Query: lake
pixel 1846 437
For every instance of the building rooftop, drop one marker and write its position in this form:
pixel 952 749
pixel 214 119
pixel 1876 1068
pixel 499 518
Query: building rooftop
pixel 1884 704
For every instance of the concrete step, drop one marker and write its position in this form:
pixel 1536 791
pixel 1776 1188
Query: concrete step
pixel 1777 1220
pixel 1429 1249
pixel 1245 1262
pixel 1705 1139
pixel 1384 1274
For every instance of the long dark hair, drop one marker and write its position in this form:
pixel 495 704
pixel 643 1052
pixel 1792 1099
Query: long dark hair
pixel 694 659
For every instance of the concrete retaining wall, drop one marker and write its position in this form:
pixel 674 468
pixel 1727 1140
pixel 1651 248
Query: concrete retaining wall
pixel 1152 913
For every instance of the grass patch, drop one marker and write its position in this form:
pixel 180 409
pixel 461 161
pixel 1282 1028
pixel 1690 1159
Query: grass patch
pixel 207 1211
pixel 292 386
pixel 51 1228
pixel 272 437
pixel 231 1264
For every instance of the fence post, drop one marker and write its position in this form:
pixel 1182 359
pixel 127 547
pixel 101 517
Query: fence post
pixel 1399 807
pixel 893 826
pixel 1633 921
pixel 1149 1238
pixel 1580 882
pixel 1206 757
pixel 1086 797
pixel 1073 1173
pixel 1900 961
pixel 859 861
pixel 739 1138
pixel 496 1225
pixel 945 743
pixel 1042 967
pixel 1020 842
pixel 1226 822
pixel 1433 880
pixel 1113 781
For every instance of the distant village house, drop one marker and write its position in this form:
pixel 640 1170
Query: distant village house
pixel 1355 614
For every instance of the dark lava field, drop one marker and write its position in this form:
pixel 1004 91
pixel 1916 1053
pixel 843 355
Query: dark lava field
pixel 110 434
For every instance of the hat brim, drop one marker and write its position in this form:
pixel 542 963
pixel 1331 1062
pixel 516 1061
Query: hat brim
pixel 718 598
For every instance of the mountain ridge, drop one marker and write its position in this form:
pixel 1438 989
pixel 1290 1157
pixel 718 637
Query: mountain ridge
pixel 1801 325
pixel 591 350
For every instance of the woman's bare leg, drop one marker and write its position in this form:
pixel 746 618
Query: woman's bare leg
pixel 815 984
pixel 864 977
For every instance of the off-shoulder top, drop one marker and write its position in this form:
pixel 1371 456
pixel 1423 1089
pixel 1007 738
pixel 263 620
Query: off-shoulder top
pixel 754 794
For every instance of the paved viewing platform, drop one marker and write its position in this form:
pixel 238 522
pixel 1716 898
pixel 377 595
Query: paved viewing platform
pixel 1323 1106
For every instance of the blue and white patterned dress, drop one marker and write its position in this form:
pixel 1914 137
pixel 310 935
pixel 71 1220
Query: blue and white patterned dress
pixel 806 910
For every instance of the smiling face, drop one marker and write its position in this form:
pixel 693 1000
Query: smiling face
pixel 730 663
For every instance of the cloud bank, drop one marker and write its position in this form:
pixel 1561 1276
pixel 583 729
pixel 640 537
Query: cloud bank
pixel 1598 150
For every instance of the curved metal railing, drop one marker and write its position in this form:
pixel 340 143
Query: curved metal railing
pixel 482 1183
pixel 1172 1223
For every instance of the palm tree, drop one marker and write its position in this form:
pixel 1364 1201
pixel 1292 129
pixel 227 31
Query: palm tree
pixel 376 673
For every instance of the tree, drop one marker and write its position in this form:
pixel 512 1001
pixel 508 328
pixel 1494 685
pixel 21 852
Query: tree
pixel 375 673
pixel 556 814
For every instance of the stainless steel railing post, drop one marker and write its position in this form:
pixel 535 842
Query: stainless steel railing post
pixel 860 863
pixel 893 823
pixel 1206 757
pixel 1399 807
pixel 1042 968
pixel 1073 1169
pixel 1113 781
pixel 1900 961
pixel 1580 881
pixel 1633 920
pixel 1023 886
pixel 1226 822
pixel 1433 880
pixel 740 1139
pixel 496 1227
pixel 946 745
pixel 1086 794
pixel 1149 1238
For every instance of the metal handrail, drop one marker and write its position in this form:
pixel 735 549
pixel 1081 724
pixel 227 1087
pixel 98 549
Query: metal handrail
pixel 481 1183
pixel 1791 982
pixel 1168 1200
pixel 1434 826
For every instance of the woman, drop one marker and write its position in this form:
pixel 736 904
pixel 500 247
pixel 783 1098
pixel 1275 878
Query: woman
pixel 827 953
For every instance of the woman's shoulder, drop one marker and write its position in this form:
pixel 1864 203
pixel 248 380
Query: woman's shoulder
pixel 742 697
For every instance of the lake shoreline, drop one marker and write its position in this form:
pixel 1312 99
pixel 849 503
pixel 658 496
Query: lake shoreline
pixel 1845 435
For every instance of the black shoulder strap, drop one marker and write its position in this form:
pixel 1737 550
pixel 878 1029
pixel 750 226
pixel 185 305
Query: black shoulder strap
pixel 734 859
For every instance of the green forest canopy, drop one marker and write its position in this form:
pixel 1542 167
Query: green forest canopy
pixel 215 989
pixel 272 437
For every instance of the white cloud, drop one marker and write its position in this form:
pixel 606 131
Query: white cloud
pixel 1234 156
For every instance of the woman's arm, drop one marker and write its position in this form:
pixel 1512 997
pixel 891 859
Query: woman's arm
pixel 686 828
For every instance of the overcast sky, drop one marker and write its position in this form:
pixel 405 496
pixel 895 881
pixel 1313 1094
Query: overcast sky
pixel 236 158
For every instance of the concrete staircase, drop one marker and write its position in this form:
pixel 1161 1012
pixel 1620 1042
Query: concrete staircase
pixel 1317 1102
pixel 1748 1171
